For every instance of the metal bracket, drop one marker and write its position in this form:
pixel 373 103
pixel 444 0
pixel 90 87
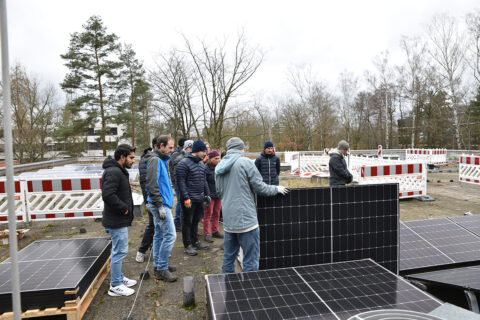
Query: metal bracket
pixel 472 301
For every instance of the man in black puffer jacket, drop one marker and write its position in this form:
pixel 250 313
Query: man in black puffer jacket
pixel 147 239
pixel 118 214
pixel 194 193
pixel 339 174
pixel 268 164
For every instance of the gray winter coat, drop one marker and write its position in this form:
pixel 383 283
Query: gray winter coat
pixel 237 179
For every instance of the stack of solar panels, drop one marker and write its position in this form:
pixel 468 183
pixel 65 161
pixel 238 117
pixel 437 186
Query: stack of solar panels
pixel 324 225
pixel 48 268
pixel 329 291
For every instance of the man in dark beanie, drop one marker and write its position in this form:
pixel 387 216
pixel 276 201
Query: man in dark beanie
pixel 268 164
pixel 194 193
pixel 237 180
pixel 339 174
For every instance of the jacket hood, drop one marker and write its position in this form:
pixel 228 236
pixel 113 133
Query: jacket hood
pixel 146 151
pixel 224 166
pixel 335 152
pixel 160 154
pixel 110 162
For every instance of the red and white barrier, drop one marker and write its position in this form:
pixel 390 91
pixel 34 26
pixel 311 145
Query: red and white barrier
pixel 411 177
pixel 429 156
pixel 469 169
pixel 20 210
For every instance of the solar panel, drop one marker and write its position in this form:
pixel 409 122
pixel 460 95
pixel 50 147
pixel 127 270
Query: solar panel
pixel 471 223
pixel 323 225
pixel 329 291
pixel 49 268
pixel 464 277
pixel 441 242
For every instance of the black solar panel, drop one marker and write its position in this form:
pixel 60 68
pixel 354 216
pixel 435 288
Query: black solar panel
pixel 49 268
pixel 442 242
pixel 322 225
pixel 471 223
pixel 329 291
pixel 464 277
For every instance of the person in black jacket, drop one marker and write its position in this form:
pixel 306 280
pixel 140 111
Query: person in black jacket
pixel 118 214
pixel 339 174
pixel 212 211
pixel 268 164
pixel 175 158
pixel 194 193
pixel 147 239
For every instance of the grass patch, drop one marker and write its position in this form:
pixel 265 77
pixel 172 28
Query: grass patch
pixel 48 227
pixel 191 307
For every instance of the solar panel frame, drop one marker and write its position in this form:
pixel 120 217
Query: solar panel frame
pixel 323 225
pixel 328 291
pixel 469 222
pixel 46 276
pixel 462 277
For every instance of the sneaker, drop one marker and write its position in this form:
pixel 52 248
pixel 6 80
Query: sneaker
pixel 200 246
pixel 165 275
pixel 208 238
pixel 217 235
pixel 121 290
pixel 129 282
pixel 190 250
pixel 172 268
pixel 140 257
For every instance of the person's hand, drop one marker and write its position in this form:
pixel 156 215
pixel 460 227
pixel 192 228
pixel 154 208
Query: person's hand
pixel 162 213
pixel 187 203
pixel 206 201
pixel 282 190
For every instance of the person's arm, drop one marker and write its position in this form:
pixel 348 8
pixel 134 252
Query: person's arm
pixel 153 189
pixel 182 171
pixel 340 169
pixel 110 183
pixel 206 189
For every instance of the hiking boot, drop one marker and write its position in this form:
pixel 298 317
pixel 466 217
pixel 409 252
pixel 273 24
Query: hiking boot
pixel 208 238
pixel 165 275
pixel 200 246
pixel 172 268
pixel 129 282
pixel 121 290
pixel 190 250
pixel 217 235
pixel 140 257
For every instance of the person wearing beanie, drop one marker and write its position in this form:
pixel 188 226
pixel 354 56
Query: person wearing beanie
pixel 268 164
pixel 212 211
pixel 339 174
pixel 175 159
pixel 194 192
pixel 237 181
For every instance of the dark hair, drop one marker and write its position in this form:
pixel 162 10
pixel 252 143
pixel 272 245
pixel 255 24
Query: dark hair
pixel 154 142
pixel 163 139
pixel 181 142
pixel 123 150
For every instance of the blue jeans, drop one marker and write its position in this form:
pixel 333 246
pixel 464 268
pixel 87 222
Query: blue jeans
pixel 250 244
pixel 178 208
pixel 163 238
pixel 119 252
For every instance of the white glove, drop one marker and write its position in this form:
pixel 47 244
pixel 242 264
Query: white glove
pixel 162 213
pixel 282 190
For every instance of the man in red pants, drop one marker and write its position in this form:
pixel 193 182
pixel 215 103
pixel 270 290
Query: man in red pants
pixel 212 211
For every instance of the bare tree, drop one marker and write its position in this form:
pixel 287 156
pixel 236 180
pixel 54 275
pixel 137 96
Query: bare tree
pixel 447 48
pixel 218 77
pixel 473 25
pixel 348 85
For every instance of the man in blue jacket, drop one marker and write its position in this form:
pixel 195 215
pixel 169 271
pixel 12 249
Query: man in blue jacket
pixel 268 164
pixel 237 180
pixel 194 194
pixel 160 202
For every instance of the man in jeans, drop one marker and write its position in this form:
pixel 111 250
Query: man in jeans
pixel 194 194
pixel 160 202
pixel 237 179
pixel 118 214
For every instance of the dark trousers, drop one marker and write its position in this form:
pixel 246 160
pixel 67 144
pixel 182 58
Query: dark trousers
pixel 191 216
pixel 147 240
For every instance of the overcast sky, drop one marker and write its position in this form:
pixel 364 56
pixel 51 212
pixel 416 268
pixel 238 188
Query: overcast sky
pixel 331 36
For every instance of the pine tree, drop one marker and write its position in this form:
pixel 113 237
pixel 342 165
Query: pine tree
pixel 94 66
pixel 473 112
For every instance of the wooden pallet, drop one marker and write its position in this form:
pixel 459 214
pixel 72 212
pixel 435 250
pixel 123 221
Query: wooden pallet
pixel 73 309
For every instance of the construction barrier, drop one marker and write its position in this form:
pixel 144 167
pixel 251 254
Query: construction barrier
pixel 469 169
pixel 429 156
pixel 20 210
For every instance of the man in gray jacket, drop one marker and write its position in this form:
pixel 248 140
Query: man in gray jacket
pixel 237 179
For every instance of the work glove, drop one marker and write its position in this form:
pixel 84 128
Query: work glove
pixel 162 213
pixel 282 190
pixel 187 203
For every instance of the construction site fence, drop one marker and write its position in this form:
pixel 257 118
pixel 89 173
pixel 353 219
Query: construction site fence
pixel 469 169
